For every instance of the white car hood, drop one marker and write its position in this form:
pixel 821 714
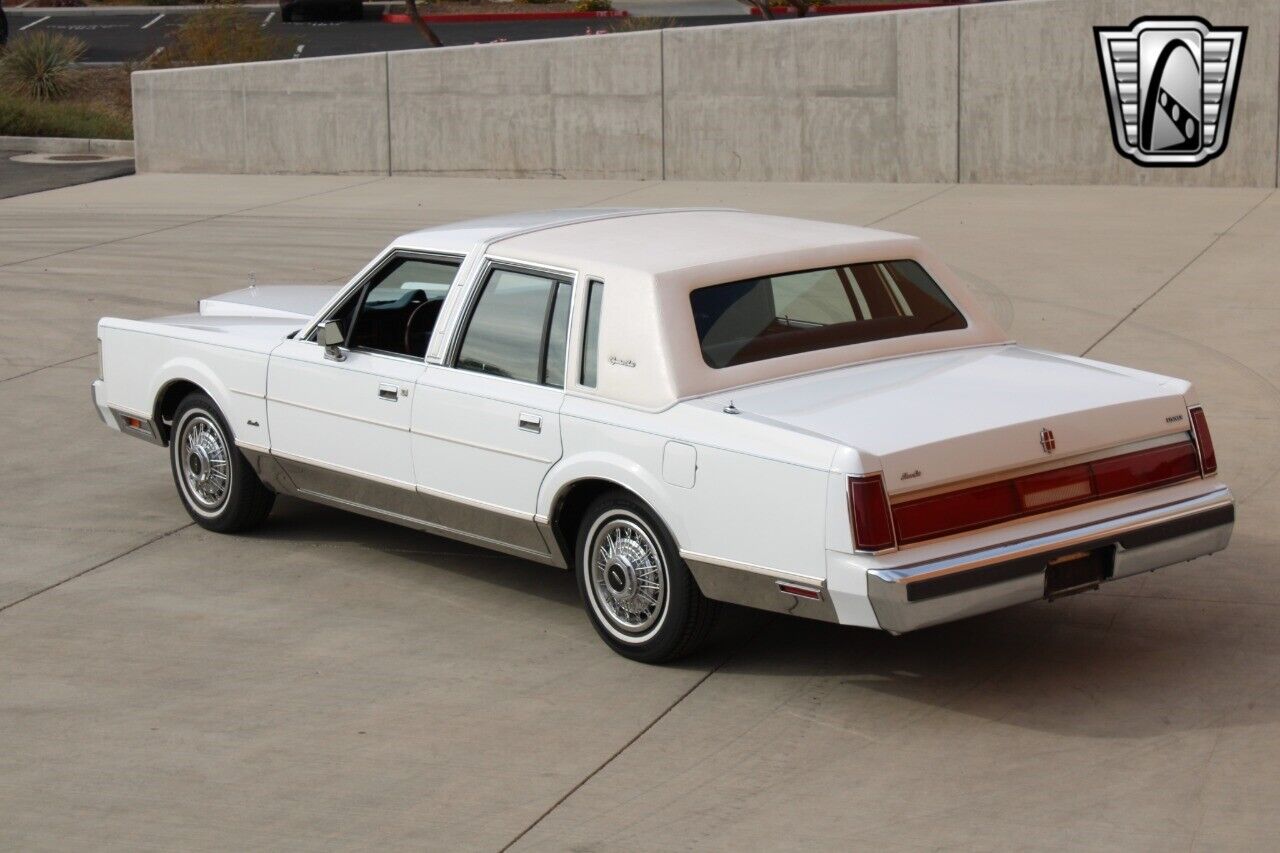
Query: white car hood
pixel 935 418
pixel 275 301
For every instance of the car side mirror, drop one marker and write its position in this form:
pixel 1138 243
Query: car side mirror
pixel 330 337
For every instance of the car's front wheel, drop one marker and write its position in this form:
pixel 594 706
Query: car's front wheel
pixel 638 593
pixel 218 486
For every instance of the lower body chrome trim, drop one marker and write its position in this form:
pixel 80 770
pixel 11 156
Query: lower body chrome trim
pixel 406 507
pixel 144 429
pixel 912 597
pixel 759 588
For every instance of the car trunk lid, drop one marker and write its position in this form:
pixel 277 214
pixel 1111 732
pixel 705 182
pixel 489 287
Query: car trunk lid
pixel 938 418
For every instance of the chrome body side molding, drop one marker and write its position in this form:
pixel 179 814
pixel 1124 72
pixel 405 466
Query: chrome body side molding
pixel 918 596
pixel 759 587
pixel 138 427
pixel 465 522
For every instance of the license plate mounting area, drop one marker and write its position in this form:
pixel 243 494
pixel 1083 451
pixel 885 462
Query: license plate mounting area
pixel 1079 571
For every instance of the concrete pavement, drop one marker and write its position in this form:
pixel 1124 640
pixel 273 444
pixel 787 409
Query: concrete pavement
pixel 333 682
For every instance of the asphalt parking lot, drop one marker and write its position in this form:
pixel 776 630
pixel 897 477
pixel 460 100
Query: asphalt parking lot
pixel 133 35
pixel 17 178
pixel 334 682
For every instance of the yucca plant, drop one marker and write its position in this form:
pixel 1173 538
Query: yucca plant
pixel 40 66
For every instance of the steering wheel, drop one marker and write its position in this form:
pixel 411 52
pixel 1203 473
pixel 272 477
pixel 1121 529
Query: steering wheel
pixel 424 315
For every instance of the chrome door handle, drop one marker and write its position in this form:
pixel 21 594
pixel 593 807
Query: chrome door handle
pixel 388 392
pixel 530 423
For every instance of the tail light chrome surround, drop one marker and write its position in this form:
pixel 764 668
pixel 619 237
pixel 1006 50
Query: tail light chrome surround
pixel 870 517
pixel 1203 440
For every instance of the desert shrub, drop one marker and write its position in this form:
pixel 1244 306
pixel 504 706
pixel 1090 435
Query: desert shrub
pixel 219 35
pixel 21 116
pixel 593 5
pixel 40 66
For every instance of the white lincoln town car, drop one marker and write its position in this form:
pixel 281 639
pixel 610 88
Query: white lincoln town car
pixel 683 407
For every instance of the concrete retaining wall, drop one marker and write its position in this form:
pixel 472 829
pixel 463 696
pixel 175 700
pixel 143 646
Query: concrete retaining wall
pixel 994 93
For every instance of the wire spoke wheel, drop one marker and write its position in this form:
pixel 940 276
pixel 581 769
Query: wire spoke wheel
pixel 205 462
pixel 628 578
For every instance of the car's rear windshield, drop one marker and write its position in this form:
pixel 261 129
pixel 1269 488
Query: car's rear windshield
pixel 795 312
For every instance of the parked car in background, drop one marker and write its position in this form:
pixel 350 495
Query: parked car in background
pixel 349 9
pixel 683 407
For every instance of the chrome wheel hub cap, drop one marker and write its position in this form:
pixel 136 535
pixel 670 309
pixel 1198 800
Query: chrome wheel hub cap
pixel 626 576
pixel 206 467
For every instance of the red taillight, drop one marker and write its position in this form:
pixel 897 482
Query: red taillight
pixel 1200 427
pixel 1145 469
pixel 1006 500
pixel 869 506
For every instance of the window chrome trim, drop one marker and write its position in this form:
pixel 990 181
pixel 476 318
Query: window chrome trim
pixel 488 265
pixel 372 269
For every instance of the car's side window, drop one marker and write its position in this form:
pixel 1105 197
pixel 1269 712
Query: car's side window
pixel 397 310
pixel 518 328
pixel 591 334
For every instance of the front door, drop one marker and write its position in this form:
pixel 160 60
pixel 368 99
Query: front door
pixel 340 427
pixel 486 425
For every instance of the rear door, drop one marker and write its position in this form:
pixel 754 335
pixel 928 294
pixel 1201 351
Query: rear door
pixel 486 423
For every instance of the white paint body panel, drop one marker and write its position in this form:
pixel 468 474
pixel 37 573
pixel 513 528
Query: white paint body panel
pixel 763 492
pixel 468 443
pixel 286 301
pixel 333 414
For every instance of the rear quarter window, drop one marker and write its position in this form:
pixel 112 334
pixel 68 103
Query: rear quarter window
pixel 771 316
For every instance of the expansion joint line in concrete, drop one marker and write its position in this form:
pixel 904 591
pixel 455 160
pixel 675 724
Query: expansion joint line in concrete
pixel 1174 277
pixel 96 566
pixel 198 221
pixel 47 367
pixel 917 203
pixel 643 731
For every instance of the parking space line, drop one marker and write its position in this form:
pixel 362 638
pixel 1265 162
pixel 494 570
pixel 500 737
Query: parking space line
pixel 298 52
pixel 268 18
pixel 153 21
pixel 33 23
pixel 159 50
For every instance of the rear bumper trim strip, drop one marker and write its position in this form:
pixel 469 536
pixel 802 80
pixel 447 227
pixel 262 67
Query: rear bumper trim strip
pixel 951 588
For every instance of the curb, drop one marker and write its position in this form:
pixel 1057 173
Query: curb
pixel 481 18
pixel 789 11
pixel 68 145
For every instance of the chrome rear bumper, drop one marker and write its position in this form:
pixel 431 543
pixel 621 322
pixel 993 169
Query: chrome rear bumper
pixel 911 597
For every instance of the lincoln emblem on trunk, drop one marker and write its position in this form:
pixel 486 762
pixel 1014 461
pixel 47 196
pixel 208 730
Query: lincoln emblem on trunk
pixel 1047 440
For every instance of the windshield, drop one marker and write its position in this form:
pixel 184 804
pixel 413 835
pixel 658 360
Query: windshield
pixel 772 316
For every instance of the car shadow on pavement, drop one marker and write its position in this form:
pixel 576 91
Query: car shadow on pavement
pixel 1099 665
pixel 298 521
pixel 1110 664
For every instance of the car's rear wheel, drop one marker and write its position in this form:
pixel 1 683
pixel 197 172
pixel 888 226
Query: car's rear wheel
pixel 638 593
pixel 286 15
pixel 217 485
